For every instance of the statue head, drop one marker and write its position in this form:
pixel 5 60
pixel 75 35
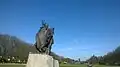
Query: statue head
pixel 44 25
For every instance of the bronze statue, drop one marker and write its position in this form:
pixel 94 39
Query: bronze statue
pixel 44 38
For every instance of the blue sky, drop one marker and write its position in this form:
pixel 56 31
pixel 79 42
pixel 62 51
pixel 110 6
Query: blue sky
pixel 82 27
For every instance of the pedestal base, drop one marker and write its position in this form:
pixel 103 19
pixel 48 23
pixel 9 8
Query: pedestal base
pixel 41 60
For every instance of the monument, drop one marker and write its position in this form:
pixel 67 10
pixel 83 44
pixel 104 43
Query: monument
pixel 44 41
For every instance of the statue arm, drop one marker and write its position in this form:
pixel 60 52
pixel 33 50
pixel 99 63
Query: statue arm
pixel 52 41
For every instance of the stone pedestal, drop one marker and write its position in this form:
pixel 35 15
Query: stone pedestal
pixel 56 63
pixel 41 60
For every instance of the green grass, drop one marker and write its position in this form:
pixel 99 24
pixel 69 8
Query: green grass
pixel 83 65
pixel 14 65
pixel 104 66
pixel 62 65
pixel 72 65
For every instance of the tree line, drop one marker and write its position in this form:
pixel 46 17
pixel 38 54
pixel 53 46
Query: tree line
pixel 111 58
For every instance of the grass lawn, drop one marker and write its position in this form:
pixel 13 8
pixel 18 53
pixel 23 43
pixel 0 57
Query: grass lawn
pixel 83 65
pixel 62 65
pixel 12 65
pixel 72 65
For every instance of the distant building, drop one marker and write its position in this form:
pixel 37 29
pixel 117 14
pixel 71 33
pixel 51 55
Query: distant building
pixel 19 61
pixel 8 59
pixel 13 57
pixel 65 62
